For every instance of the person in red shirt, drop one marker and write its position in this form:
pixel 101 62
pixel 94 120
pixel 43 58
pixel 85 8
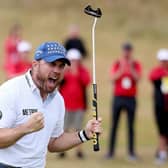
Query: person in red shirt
pixel 125 74
pixel 10 47
pixel 73 90
pixel 159 79
pixel 24 63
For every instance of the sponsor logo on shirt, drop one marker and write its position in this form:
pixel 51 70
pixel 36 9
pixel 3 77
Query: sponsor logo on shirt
pixel 29 111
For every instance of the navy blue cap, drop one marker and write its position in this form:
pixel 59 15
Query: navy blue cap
pixel 50 52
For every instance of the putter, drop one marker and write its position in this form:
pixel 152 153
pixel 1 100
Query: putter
pixel 96 14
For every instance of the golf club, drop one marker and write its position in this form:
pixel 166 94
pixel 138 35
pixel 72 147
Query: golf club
pixel 96 14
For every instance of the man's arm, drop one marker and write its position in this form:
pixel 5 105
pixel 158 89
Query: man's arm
pixel 64 142
pixel 117 75
pixel 69 140
pixel 136 71
pixel 117 70
pixel 9 136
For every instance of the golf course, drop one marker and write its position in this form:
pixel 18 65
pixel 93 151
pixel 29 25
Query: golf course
pixel 141 22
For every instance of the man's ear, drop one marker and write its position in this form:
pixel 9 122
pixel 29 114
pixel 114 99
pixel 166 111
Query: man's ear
pixel 34 63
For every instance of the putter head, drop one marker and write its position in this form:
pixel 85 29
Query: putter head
pixel 96 13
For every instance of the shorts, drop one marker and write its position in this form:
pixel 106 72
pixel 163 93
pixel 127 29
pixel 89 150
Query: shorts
pixel 73 120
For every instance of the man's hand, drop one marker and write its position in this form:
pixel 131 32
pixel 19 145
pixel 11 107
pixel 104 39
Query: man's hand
pixel 9 136
pixel 35 122
pixel 93 126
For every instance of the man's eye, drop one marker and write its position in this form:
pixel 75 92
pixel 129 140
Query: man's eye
pixel 52 63
pixel 62 66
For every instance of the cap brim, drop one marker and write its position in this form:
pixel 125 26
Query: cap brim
pixel 56 58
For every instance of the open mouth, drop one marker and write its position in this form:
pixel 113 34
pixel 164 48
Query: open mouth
pixel 52 80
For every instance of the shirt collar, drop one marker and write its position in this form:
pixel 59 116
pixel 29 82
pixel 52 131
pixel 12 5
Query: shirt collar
pixel 29 80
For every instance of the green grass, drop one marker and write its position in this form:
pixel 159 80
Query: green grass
pixel 144 22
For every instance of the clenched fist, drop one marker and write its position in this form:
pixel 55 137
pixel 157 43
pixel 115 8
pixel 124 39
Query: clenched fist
pixel 35 122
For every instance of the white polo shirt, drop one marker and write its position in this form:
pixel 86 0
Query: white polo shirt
pixel 19 98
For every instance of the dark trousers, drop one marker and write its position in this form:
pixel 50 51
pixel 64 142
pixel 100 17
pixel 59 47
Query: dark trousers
pixel 129 105
pixel 7 166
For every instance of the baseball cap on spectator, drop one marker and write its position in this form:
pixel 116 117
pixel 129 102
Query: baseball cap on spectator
pixel 73 54
pixel 162 55
pixel 127 46
pixel 24 46
pixel 50 52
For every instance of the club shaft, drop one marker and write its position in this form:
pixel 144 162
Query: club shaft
pixel 93 50
pixel 95 111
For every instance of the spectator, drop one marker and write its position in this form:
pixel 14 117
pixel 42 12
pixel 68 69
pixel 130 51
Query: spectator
pixel 76 80
pixel 24 49
pixel 75 41
pixel 125 74
pixel 11 53
pixel 159 78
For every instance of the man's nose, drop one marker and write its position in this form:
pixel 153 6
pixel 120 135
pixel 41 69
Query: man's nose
pixel 57 69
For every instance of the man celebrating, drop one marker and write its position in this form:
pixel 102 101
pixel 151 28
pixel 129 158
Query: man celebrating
pixel 32 112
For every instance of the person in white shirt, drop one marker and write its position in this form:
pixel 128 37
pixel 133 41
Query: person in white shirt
pixel 32 112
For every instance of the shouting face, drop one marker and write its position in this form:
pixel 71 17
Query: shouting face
pixel 47 76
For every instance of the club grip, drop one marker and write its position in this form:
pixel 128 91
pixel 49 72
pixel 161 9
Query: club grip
pixel 95 115
pixel 96 142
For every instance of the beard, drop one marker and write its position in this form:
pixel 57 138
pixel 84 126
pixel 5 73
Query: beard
pixel 48 83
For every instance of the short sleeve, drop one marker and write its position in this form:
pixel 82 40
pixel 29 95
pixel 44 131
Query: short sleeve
pixel 7 109
pixel 59 128
pixel 156 74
